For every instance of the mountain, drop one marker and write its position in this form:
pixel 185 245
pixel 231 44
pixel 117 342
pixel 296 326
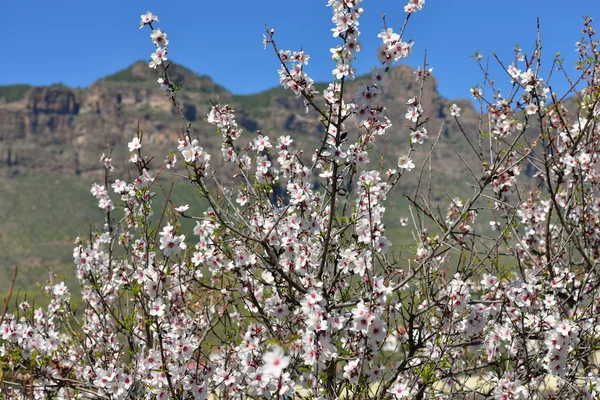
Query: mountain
pixel 64 130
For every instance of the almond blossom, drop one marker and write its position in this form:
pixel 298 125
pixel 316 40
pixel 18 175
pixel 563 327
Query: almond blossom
pixel 288 280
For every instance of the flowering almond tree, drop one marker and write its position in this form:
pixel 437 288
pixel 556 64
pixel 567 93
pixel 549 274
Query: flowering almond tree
pixel 289 288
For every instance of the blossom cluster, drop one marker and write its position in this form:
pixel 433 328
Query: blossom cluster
pixel 288 284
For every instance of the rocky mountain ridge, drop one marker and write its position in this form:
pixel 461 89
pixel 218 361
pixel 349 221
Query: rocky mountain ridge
pixel 64 130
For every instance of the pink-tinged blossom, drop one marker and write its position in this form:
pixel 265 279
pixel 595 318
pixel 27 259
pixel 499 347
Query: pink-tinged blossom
pixel 242 199
pixel 509 387
pixel 285 141
pixel 182 209
pixel 421 73
pixel 455 110
pixel 414 113
pixel 157 308
pixel 343 70
pixel 405 163
pixel 489 281
pixel 119 186
pixel 135 144
pixel 418 136
pixel 531 108
pixel 171 243
pixel 107 161
pixel 400 390
pixel 147 18
pixel 275 361
pixel 261 143
pixel 380 76
pixel 393 49
pixel 60 290
pixel 414 6
pixel 170 161
pixel 134 158
pixel 158 57
pixel 159 38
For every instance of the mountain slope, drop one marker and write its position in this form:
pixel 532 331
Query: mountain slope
pixel 64 130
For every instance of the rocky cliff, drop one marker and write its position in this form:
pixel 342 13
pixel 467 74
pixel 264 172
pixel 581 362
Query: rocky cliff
pixel 65 130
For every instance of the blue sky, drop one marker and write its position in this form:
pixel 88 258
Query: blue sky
pixel 77 42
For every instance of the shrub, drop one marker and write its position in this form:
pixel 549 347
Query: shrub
pixel 290 288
